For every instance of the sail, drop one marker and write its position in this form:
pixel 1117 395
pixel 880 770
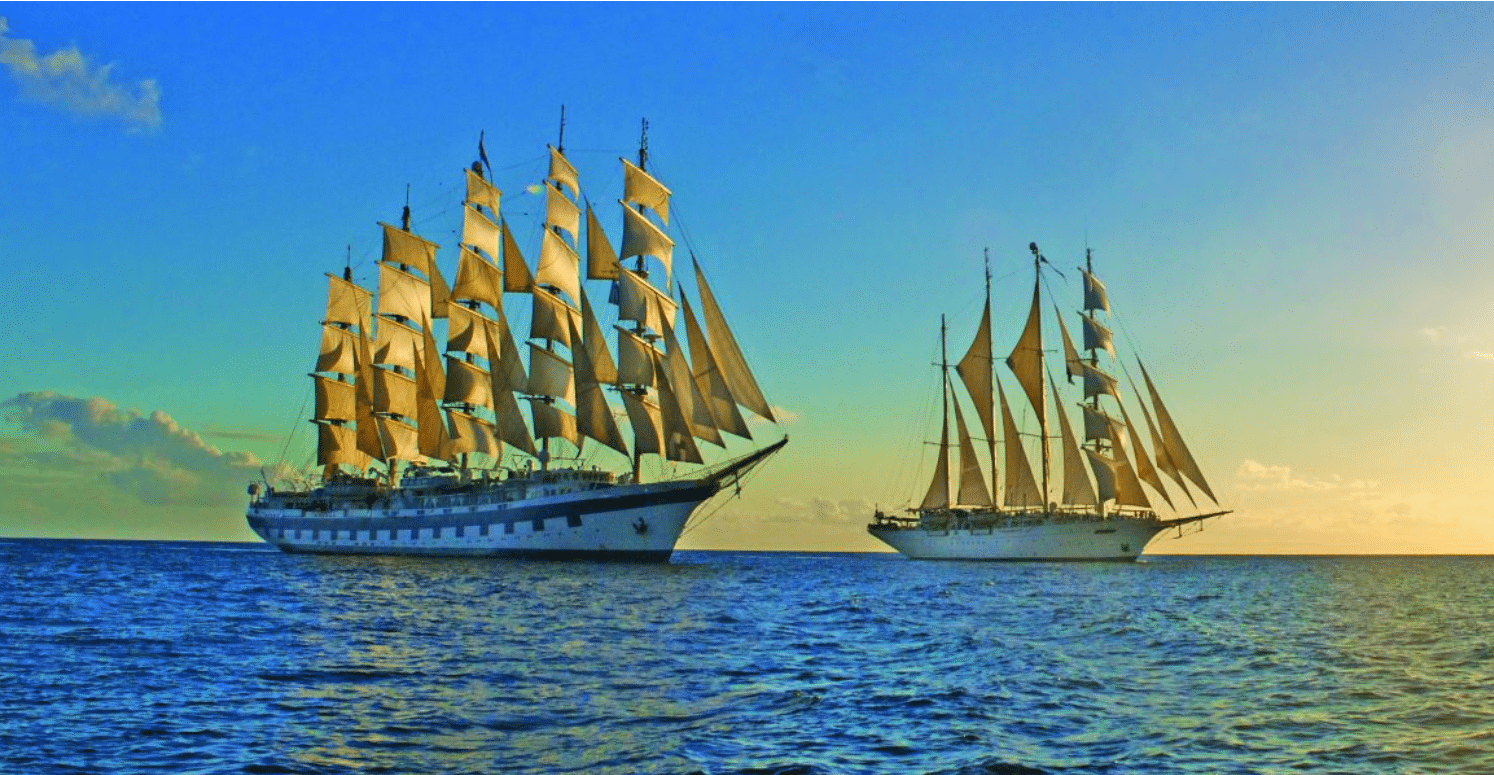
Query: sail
pixel 481 192
pixel 595 342
pixel 430 384
pixel 1021 487
pixel 478 231
pixel 972 479
pixel 396 344
pixel 648 425
pixel 347 303
pixel 337 353
pixel 1144 468
pixel 550 421
pixel 1097 424
pixel 938 495
pixel 1026 362
pixel 478 280
pixel 516 275
pixel 1173 440
pixel 551 318
pixel 406 249
pixel 635 359
pixel 369 441
pixel 550 375
pixel 601 259
pixel 728 355
pixel 708 376
pixel 399 439
pixel 1117 479
pixel 470 433
pixel 975 371
pixel 1076 487
pixel 679 441
pixel 1073 366
pixel 640 301
pixel 1097 336
pixel 641 188
pixel 593 415
pixel 466 330
pixel 335 400
pixel 394 393
pixel 1159 450
pixel 561 171
pixel 642 238
pixel 1098 383
pixel 509 420
pixel 403 295
pixel 467 383
pixel 338 444
pixel 692 404
pixel 559 266
pixel 561 211
pixel 1094 293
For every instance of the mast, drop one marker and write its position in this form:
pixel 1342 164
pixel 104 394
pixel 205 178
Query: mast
pixel 990 436
pixel 1037 282
pixel 944 395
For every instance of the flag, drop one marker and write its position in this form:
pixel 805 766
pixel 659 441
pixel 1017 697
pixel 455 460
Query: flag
pixel 483 154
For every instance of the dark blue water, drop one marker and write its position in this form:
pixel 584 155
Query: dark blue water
pixel 210 658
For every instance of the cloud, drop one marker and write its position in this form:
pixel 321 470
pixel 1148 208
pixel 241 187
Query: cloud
pixel 781 415
pixel 822 510
pixel 1433 334
pixel 1258 476
pixel 67 79
pixel 152 457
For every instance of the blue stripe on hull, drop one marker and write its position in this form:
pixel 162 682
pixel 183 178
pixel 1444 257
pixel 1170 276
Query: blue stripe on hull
pixel 511 554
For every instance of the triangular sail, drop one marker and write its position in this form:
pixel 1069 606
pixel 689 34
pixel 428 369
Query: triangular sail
pixel 728 355
pixel 601 259
pixel 1073 366
pixel 593 416
pixel 708 376
pixel 1077 490
pixel 430 380
pixel 679 440
pixel 602 365
pixel 938 494
pixel 972 480
pixel 692 404
pixel 509 420
pixel 1026 362
pixel 975 370
pixel 648 425
pixel 516 275
pixel 1021 487
pixel 1173 440
pixel 1144 468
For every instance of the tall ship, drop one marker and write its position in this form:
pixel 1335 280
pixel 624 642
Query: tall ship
pixel 424 442
pixel 1112 515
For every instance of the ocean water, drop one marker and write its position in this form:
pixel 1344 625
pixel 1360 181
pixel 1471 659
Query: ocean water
pixel 233 658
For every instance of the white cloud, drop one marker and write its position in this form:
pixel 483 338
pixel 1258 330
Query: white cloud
pixel 67 79
pixel 152 457
pixel 822 510
pixel 1256 476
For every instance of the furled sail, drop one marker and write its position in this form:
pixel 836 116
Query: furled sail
pixel 1021 488
pixel 1076 487
pixel 972 479
pixel 1173 440
pixel 728 355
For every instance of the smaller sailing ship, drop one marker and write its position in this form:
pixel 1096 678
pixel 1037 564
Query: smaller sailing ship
pixel 422 445
pixel 1111 517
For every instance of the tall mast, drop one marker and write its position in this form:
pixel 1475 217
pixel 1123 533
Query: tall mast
pixel 1037 280
pixel 992 440
pixel 944 390
pixel 638 327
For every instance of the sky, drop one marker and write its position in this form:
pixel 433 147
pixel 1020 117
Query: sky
pixel 1290 204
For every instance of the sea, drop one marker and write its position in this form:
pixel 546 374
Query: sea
pixel 163 657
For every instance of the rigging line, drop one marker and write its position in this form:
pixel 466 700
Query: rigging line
pixel 300 415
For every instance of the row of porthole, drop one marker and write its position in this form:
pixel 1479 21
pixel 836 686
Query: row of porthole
pixel 572 520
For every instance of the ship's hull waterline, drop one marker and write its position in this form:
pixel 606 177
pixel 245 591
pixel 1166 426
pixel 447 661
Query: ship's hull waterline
pixel 639 522
pixel 1050 539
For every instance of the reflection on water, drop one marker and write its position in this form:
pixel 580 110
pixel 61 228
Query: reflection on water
pixel 135 658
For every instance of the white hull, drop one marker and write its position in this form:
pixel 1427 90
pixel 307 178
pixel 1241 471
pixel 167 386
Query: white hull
pixel 1036 539
pixel 630 522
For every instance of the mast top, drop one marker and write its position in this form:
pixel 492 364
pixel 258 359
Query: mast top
pixel 560 141
pixel 643 147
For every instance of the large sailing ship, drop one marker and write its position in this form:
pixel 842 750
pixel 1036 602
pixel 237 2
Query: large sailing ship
pixel 1111 517
pixel 423 447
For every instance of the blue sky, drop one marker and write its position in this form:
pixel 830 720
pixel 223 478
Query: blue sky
pixel 1289 203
